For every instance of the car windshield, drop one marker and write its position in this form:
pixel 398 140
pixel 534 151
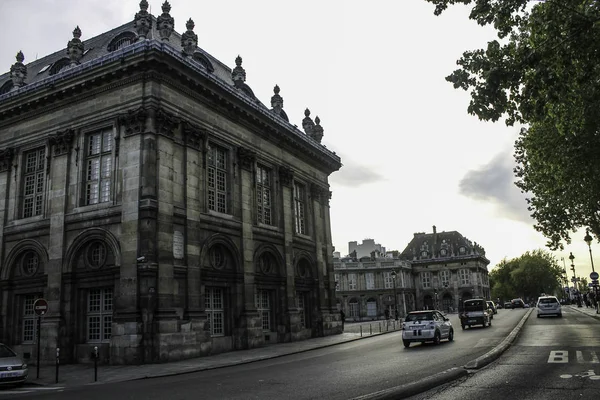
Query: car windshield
pixel 419 317
pixel 6 352
pixel 548 300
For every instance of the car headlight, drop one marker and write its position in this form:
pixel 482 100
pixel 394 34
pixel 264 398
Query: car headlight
pixel 24 366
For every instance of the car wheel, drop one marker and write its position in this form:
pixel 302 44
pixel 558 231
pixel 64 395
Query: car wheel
pixel 451 335
pixel 462 326
pixel 437 338
pixel 559 315
pixel 406 343
pixel 490 322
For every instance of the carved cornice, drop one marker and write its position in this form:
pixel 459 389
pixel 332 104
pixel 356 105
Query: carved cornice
pixel 320 193
pixel 6 157
pixel 286 175
pixel 246 158
pixel 134 121
pixel 166 123
pixel 193 135
pixel 62 141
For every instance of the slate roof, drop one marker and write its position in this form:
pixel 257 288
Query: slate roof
pixel 433 243
pixel 97 47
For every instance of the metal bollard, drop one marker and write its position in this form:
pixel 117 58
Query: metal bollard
pixel 95 363
pixel 57 363
pixel 380 327
pixel 370 329
pixel 360 330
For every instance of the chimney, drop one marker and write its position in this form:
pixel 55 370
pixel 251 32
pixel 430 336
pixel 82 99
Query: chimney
pixel 434 229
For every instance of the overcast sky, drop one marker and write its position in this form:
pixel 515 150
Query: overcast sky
pixel 374 74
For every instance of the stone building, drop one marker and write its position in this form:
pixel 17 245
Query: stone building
pixel 447 268
pixel 159 207
pixel 367 287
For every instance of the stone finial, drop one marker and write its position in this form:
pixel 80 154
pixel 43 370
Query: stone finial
pixel 189 40
pixel 75 47
pixel 239 73
pixel 18 71
pixel 165 22
pixel 142 22
pixel 276 101
pixel 317 130
pixel 307 123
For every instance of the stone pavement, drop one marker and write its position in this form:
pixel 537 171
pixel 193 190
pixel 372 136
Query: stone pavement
pixel 72 375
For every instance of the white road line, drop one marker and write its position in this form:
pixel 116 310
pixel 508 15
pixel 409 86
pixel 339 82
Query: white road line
pixel 558 356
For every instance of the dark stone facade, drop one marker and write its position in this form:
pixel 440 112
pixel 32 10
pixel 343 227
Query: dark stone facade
pixel 162 210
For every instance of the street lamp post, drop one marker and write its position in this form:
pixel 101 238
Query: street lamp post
pixel 588 239
pixel 395 296
pixel 572 257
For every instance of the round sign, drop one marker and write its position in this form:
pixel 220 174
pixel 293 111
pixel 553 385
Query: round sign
pixel 594 276
pixel 40 307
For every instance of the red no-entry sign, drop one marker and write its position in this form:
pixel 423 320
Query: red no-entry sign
pixel 40 307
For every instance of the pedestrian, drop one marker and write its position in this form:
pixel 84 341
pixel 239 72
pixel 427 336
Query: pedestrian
pixel 343 318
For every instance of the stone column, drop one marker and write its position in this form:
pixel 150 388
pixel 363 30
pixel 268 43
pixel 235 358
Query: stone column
pixel 252 328
pixel 59 150
pixel 6 157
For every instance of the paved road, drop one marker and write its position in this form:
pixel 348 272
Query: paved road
pixel 553 358
pixel 339 372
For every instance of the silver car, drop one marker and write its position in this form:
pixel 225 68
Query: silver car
pixel 548 305
pixel 12 369
pixel 426 326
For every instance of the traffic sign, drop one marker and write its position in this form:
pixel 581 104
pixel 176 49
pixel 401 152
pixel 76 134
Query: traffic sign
pixel 40 307
pixel 594 276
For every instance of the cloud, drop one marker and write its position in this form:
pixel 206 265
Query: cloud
pixel 352 174
pixel 494 183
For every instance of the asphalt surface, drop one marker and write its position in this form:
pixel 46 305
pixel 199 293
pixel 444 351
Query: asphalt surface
pixel 553 358
pixel 379 367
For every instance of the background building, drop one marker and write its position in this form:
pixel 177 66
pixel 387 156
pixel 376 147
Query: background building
pixel 365 249
pixel 162 210
pixel 446 268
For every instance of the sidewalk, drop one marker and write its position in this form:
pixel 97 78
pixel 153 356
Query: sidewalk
pixel 72 375
pixel 585 310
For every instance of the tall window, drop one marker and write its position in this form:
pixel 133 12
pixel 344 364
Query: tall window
pixel 29 318
pixel 426 279
pixel 337 282
pixel 215 311
pixel 217 179
pixel 370 278
pixel 351 281
pixel 263 306
pixel 388 282
pixel 99 164
pixel 302 309
pixel 299 194
pixel 263 195
pixel 99 315
pixel 465 279
pixel 353 308
pixel 33 182
pixel 445 275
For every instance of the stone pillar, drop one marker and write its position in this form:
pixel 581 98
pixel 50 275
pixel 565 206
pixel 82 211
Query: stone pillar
pixel 126 339
pixel 59 150
pixel 286 176
pixel 253 324
pixel 6 156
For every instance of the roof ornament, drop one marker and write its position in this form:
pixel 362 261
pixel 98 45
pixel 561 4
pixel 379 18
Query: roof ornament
pixel 189 40
pixel 142 22
pixel 317 130
pixel 165 22
pixel 75 47
pixel 276 101
pixel 307 123
pixel 18 71
pixel 239 73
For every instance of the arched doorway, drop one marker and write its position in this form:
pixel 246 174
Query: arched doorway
pixel 447 302
pixel 428 302
pixel 353 309
pixel 372 308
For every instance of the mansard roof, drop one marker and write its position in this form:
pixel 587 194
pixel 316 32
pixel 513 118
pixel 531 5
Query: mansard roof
pixel 441 247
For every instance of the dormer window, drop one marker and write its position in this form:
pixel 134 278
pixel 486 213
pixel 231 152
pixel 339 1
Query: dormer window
pixel 122 40
pixel 424 253
pixel 443 252
pixel 7 87
pixel 204 61
pixel 462 250
pixel 59 66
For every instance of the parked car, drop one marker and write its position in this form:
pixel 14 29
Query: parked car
pixel 12 368
pixel 492 308
pixel 475 312
pixel 426 326
pixel 548 305
pixel 517 303
pixel 507 304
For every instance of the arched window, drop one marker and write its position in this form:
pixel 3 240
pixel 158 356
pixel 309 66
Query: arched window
pixel 7 87
pixel 121 40
pixel 59 65
pixel 203 60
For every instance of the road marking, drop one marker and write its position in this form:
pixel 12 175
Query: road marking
pixel 581 360
pixel 558 357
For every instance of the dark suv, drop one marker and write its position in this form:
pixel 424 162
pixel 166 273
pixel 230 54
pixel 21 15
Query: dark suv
pixel 517 303
pixel 475 312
